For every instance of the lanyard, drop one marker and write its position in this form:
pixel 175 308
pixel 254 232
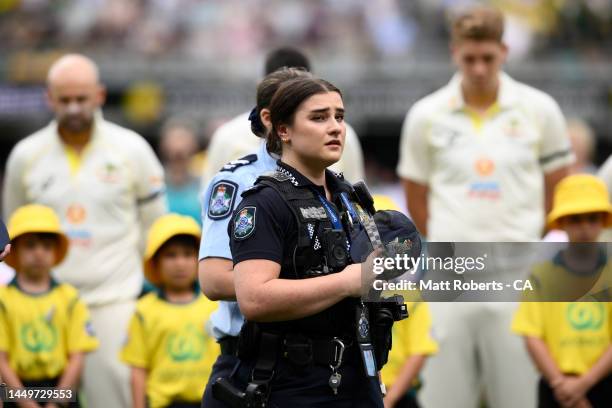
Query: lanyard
pixel 333 216
pixel 349 207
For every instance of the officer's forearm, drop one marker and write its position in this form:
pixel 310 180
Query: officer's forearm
pixel 217 279
pixel 263 297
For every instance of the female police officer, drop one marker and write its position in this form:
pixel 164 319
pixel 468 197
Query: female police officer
pixel 220 199
pixel 300 346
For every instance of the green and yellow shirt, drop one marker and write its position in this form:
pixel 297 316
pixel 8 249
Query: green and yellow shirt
pixel 170 340
pixel 40 331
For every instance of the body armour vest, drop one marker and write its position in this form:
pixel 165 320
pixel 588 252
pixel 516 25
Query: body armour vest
pixel 318 250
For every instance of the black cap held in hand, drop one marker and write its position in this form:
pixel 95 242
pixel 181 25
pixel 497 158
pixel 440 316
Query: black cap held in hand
pixel 398 234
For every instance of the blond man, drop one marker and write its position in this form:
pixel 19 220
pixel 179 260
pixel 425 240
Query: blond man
pixel 479 159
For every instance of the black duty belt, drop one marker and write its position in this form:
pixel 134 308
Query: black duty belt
pixel 303 350
pixel 229 345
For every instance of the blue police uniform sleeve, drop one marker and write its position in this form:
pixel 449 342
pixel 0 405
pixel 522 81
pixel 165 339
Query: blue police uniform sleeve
pixel 218 202
pixel 260 227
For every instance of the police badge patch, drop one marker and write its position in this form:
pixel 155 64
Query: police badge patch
pixel 244 223
pixel 221 200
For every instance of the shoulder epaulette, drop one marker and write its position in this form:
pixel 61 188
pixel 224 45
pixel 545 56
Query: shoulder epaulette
pixel 338 174
pixel 276 175
pixel 243 161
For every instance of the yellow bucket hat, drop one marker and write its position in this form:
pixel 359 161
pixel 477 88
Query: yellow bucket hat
pixel 162 230
pixel 35 218
pixel 579 194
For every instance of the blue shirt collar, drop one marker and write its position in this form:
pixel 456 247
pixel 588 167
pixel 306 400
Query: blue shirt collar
pixel 268 161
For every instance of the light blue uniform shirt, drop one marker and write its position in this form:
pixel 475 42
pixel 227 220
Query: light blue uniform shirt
pixel 221 197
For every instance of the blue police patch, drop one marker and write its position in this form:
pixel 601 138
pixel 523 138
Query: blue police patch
pixel 244 223
pixel 221 201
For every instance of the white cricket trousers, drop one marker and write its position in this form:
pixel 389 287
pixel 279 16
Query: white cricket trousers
pixel 106 380
pixel 478 354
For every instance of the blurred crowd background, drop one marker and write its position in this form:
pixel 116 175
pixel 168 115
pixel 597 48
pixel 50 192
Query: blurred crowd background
pixel 200 60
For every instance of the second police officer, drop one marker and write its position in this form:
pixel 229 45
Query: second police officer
pixel 220 199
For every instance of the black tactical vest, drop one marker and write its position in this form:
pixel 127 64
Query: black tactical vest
pixel 310 255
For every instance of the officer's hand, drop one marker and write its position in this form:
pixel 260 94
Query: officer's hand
pixel 360 277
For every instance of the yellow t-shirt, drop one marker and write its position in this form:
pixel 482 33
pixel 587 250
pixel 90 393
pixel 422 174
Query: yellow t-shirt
pixel 170 340
pixel 576 333
pixel 40 331
pixel 411 336
pixel 554 282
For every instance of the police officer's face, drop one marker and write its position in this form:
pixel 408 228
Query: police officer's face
pixel 318 130
pixel 74 103
pixel 35 254
pixel 479 62
pixel 177 265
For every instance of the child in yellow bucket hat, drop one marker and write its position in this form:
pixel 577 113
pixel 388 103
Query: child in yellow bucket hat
pixel 571 342
pixel 168 347
pixel 581 196
pixel 44 328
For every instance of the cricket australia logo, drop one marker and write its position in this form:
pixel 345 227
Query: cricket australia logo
pixel 221 200
pixel 244 223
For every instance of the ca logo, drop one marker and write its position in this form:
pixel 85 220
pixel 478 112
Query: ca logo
pixel 585 316
pixel 188 344
pixel 39 335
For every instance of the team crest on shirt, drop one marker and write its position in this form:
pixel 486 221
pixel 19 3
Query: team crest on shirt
pixel 244 223
pixel 221 200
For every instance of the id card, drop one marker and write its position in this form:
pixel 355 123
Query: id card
pixel 366 349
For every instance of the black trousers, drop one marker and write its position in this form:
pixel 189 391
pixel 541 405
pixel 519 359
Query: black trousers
pixel 223 367
pixel 40 384
pixel 297 387
pixel 600 396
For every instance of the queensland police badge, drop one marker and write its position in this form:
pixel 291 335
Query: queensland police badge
pixel 244 223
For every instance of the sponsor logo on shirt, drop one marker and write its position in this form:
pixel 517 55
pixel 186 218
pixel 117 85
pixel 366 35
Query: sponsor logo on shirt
pixel 489 190
pixel 76 214
pixel 484 166
pixel 585 315
pixel 484 189
pixel 39 335
pixel 186 345
pixel 80 238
